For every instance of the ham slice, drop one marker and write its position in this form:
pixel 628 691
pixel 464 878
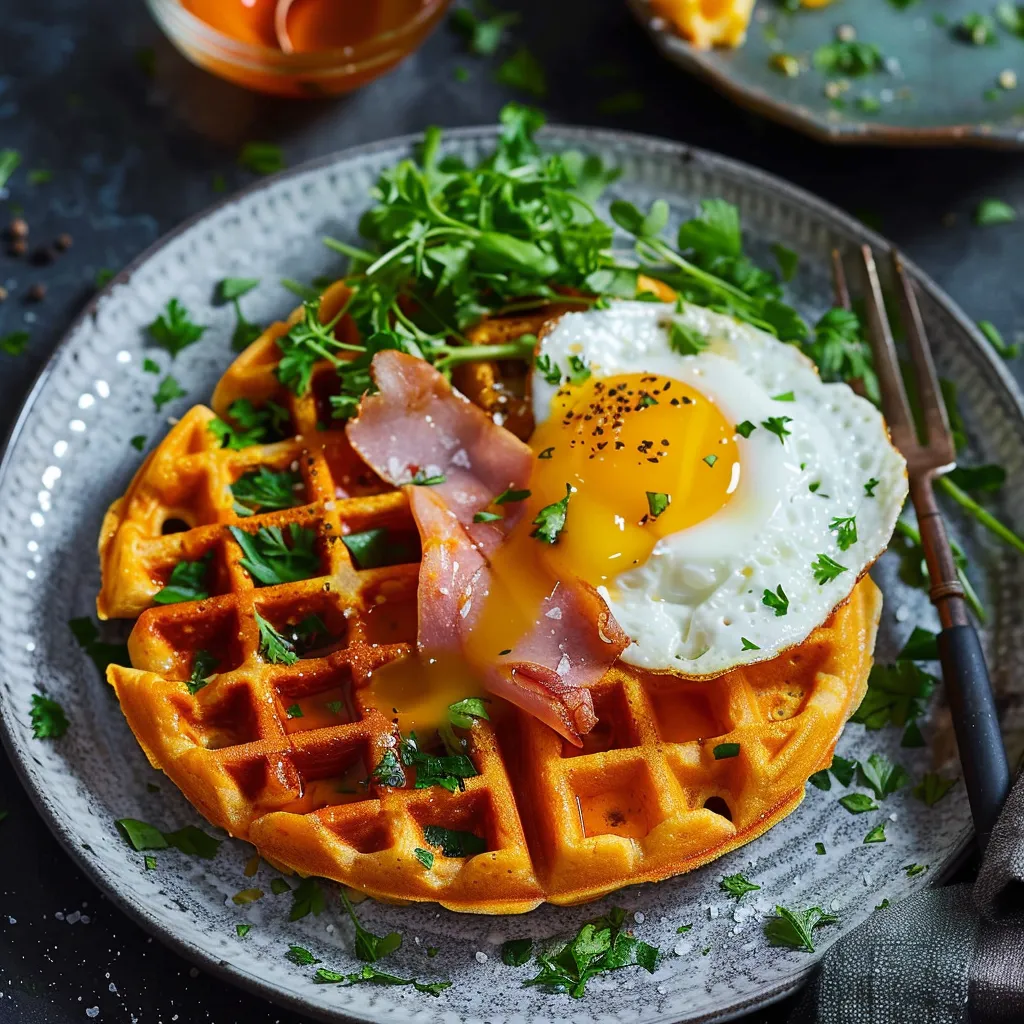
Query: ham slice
pixel 417 424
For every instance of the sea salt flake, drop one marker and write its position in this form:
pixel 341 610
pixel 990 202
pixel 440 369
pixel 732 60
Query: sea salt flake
pixel 481 956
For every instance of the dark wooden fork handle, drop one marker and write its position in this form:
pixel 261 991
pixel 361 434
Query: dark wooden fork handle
pixel 986 772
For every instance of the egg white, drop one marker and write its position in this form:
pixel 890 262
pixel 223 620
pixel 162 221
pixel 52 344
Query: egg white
pixel 691 605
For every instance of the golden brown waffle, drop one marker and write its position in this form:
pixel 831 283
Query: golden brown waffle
pixel 644 799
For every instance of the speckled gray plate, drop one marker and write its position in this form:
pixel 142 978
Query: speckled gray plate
pixel 70 456
pixel 940 90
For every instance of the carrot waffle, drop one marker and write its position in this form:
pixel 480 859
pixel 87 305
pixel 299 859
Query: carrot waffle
pixel 676 773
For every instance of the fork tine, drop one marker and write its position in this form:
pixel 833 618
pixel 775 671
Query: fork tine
pixel 933 405
pixel 839 283
pixel 894 395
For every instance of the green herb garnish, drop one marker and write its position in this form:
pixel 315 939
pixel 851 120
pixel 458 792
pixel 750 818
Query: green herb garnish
pixel 167 391
pixel 550 520
pixel 778 601
pixel 826 569
pixel 932 788
pixel 307 898
pixel 726 750
pixel 274 648
pixel 794 928
pixel 270 560
pixel 173 329
pixel 657 503
pixel 846 527
pixel 49 722
pixel 453 843
pixel 187 582
pixel 737 886
pixel 203 665
pixel 858 803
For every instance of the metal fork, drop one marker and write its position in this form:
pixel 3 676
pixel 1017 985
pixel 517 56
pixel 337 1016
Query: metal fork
pixel 982 757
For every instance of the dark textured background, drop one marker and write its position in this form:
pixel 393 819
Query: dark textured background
pixel 134 154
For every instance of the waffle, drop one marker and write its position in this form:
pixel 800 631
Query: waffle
pixel 644 799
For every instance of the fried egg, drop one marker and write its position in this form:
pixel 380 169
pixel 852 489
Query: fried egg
pixel 723 499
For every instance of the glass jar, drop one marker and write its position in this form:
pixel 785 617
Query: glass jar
pixel 234 43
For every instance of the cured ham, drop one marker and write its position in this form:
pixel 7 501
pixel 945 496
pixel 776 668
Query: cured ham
pixel 417 428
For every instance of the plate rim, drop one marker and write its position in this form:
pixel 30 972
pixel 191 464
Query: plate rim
pixel 803 119
pixel 567 134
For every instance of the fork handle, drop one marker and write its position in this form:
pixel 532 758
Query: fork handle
pixel 982 756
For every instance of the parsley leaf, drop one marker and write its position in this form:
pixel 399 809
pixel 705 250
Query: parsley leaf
pixel 49 722
pixel 976 29
pixel 203 665
pixel 306 343
pixel 897 694
pixel 264 488
pixel 516 952
pixel 486 517
pixel 261 157
pixel 465 712
pixel 550 520
pixel 274 647
pixel 372 549
pixel 483 34
pixel 307 898
pixel 932 788
pixel 685 340
pixel 881 775
pixel 270 560
pixel 10 160
pixel 710 459
pixel 994 211
pixel 978 478
pixel 600 945
pixel 724 751
pixel 174 330
pixel 579 371
pixel 102 654
pixel 301 957
pixel 995 339
pixel 738 886
pixel 14 343
pixel 869 487
pixel 250 425
pixel 389 770
pixel 167 391
pixel 189 840
pixel 777 426
pixel 843 769
pixel 448 772
pixel 876 835
pixel 921 645
pixel 748 645
pixel 826 569
pixel 425 857
pixel 369 947
pixel 657 503
pixel 187 582
pixel 787 260
pixel 778 601
pixel 453 843
pixel 231 288
pixel 841 352
pixel 420 479
pixel 745 429
pixel 794 928
pixel 858 803
pixel 510 495
pixel 547 368
pixel 846 528
pixel 523 71
pixel 848 58
pixel 370 974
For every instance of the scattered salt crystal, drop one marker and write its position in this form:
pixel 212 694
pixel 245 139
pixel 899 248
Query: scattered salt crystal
pixel 748 946
pixel 737 929
pixel 416 939
pixel 112 988
pixel 834 905
pixel 639 917
pixel 59 915
pixel 712 912
pixel 481 956
pixel 92 1011
pixel 85 919
pixel 662 990
pixel 902 613
pixel 330 929
pixel 867 878
pixel 74 917
pixel 892 817
pixel 682 947
pixel 12 920
pixel 886 95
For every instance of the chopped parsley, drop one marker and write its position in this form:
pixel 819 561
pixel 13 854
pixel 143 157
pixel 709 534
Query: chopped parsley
pixel 14 343
pixel 10 160
pixel 848 58
pixel 601 945
pixel 270 560
pixel 370 974
pixel 726 750
pixel 869 487
pixel 880 775
pixel 841 352
pixel 102 654
pixel 278 886
pixel 913 870
pixel 657 503
pixel 686 340
pixel 389 770
pixel 932 788
pixel 250 425
pixel 976 29
pixel 425 857
pixel 897 694
pixel 174 330
pixel 189 840
pixel 369 947
pixel 301 957
pixel 778 601
pixel 745 429
pixel 447 771
pixel 511 495
pixel 579 371
pixel 483 34
pixel 246 896
pixel 231 289
pixel 748 645
pixel 307 898
pixel 274 648
pixel 264 488
pixel 786 396
pixel 294 711
pixel 990 212
pixel 876 835
pixel 261 157
pixel 523 71
pixel 453 843
pixel 787 260
pixel 858 803
pixel 548 369
pixel 138 442
pixel 465 712
pixel 546 453
pixel 826 569
pixel 49 722
pixel 819 849
pixel 306 343
pixel 516 952
pixel 203 665
pixel 921 645
pixel 777 426
pixel 846 527
pixel 187 582
pixel 794 928
pixel 995 339
pixel 550 520
pixel 421 479
pixel 710 459
pixel 486 517
pixel 372 549
pixel 167 391
pixel 151 366
pixel 737 886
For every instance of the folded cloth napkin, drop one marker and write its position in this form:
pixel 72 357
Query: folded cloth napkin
pixel 945 956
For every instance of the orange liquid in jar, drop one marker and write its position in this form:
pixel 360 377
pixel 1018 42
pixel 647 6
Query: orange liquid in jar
pixel 305 26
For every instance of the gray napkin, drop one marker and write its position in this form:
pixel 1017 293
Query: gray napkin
pixel 945 956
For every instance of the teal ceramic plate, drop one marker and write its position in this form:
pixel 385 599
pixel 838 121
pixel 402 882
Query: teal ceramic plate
pixel 936 88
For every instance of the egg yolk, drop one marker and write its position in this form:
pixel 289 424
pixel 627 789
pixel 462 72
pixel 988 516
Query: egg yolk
pixel 644 457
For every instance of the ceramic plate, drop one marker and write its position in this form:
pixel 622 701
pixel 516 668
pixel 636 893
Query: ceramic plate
pixel 937 89
pixel 70 455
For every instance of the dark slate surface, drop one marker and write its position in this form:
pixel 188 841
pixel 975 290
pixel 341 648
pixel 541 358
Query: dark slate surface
pixel 132 156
